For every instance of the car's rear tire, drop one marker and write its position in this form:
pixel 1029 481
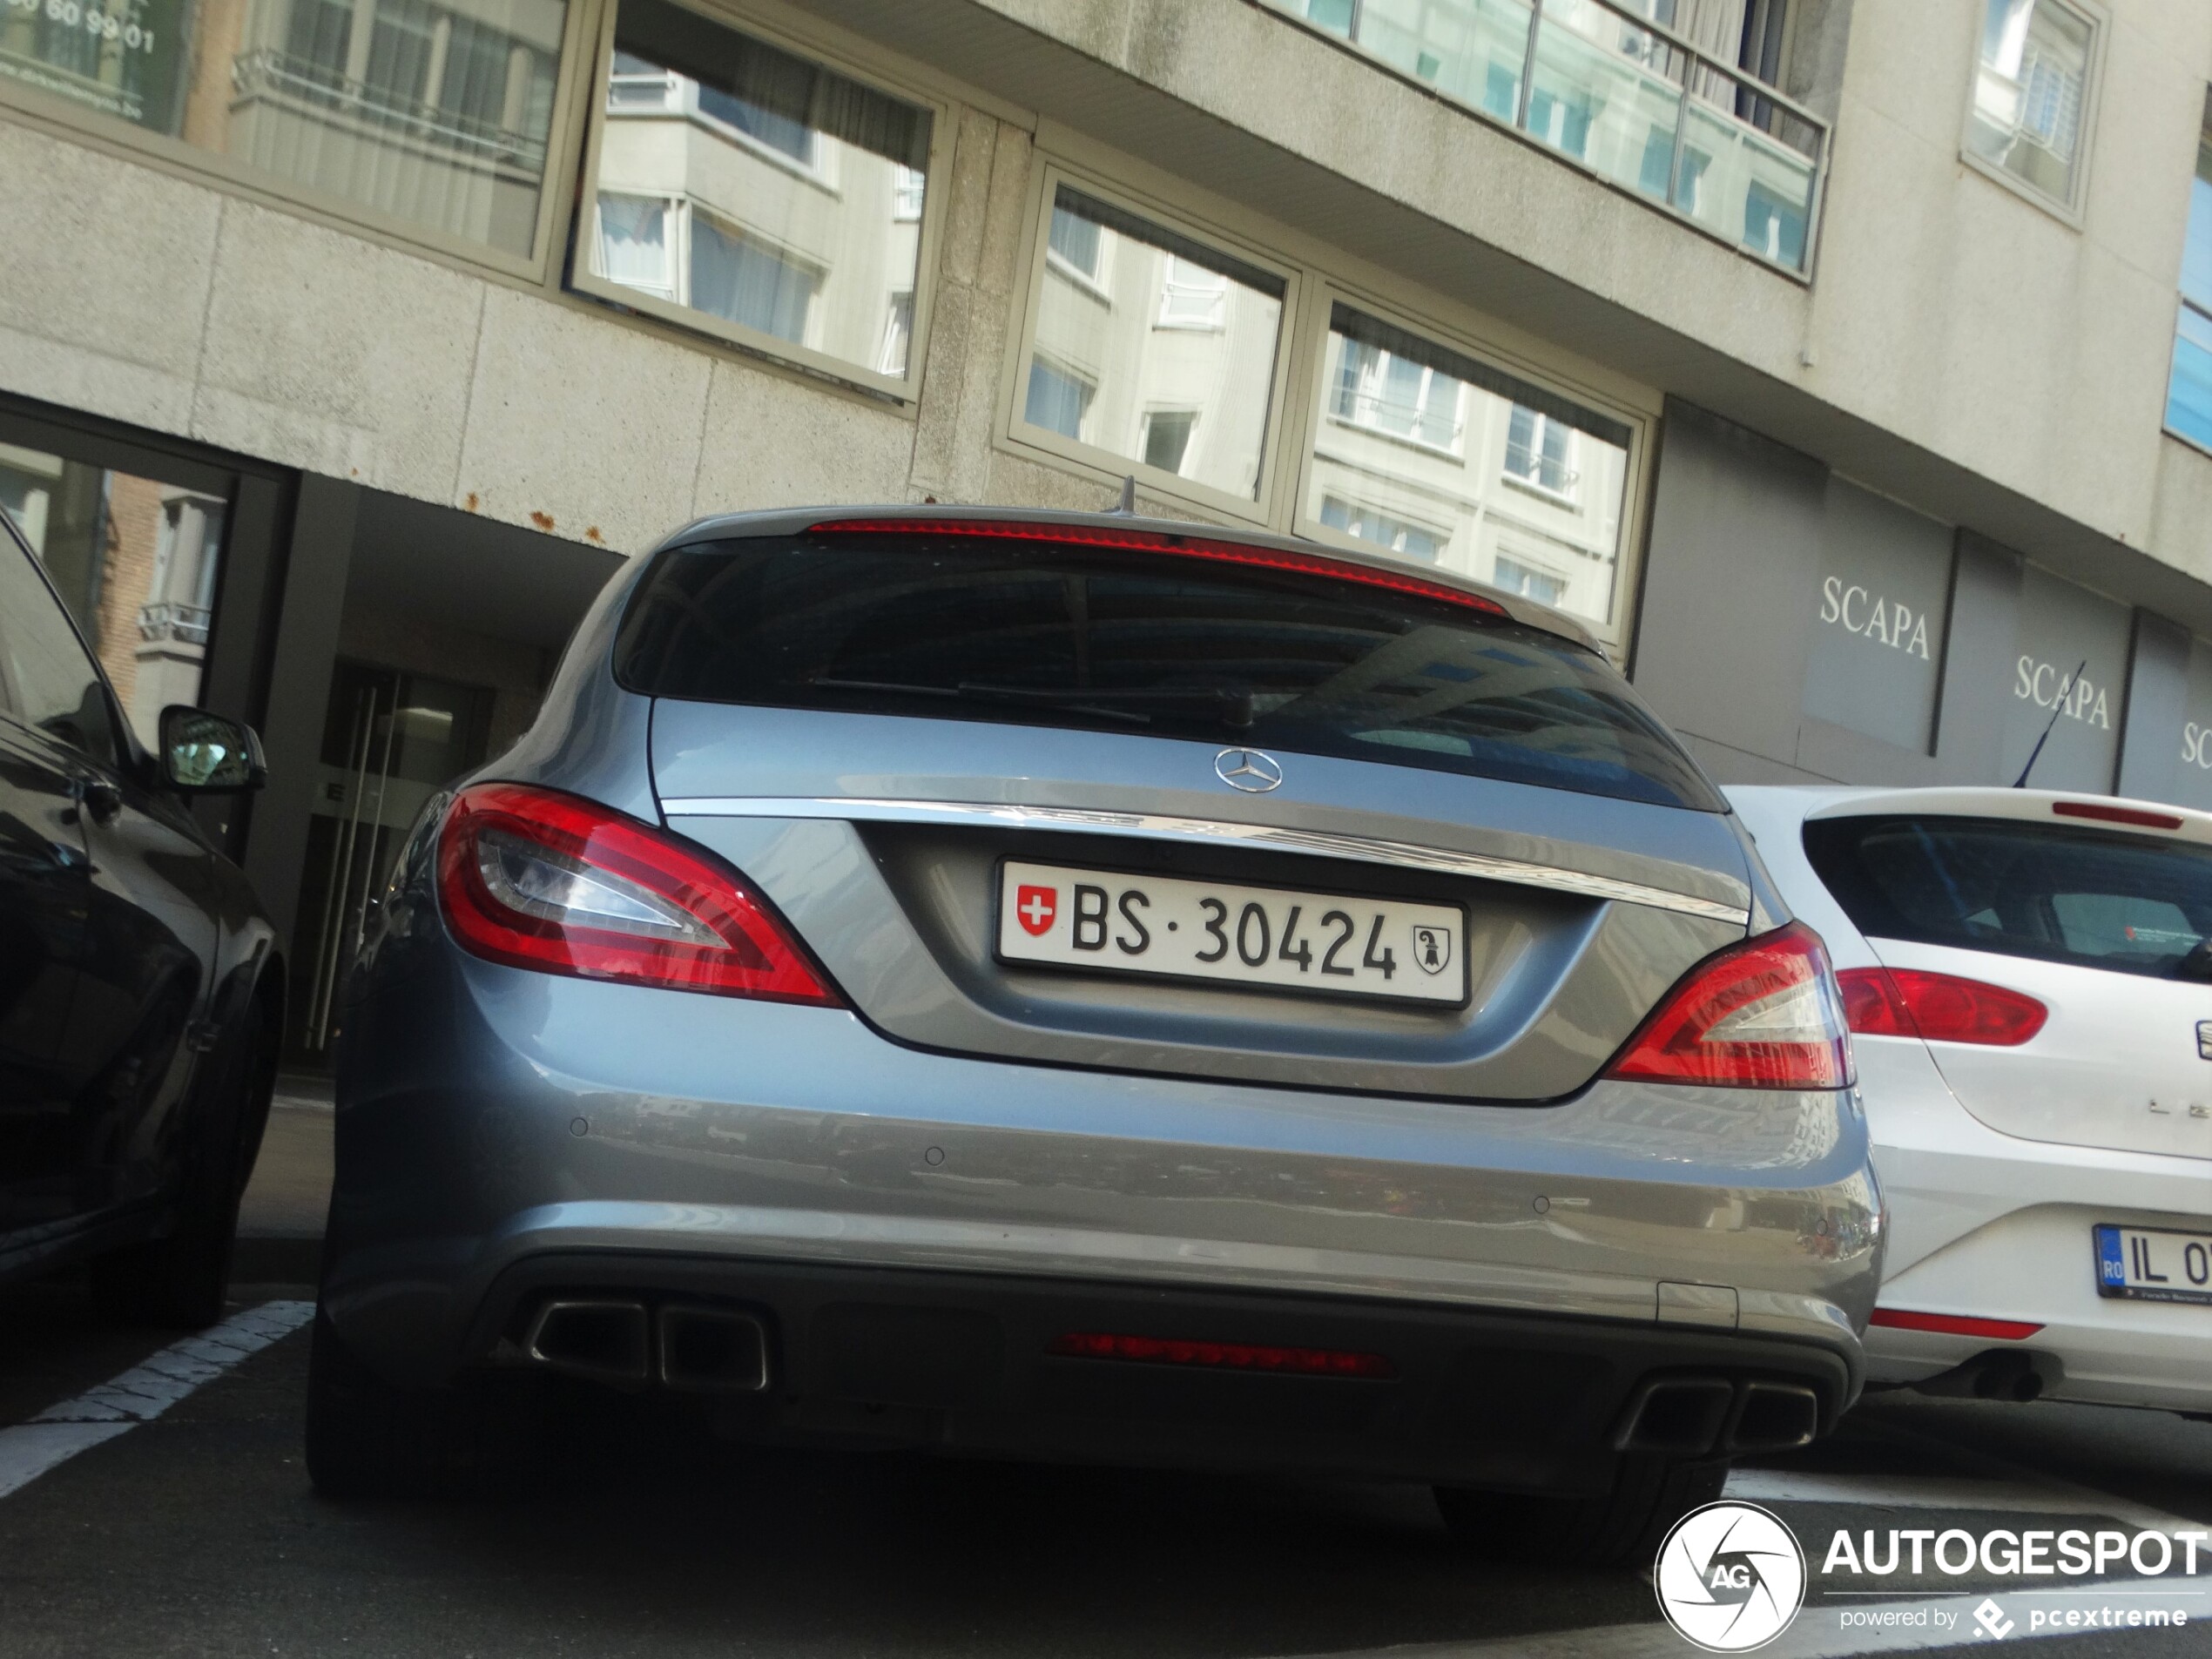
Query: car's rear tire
pixel 181 1279
pixel 367 1438
pixel 1622 1526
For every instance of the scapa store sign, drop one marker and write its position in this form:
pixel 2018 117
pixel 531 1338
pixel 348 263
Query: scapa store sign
pixel 2068 690
pixel 1875 617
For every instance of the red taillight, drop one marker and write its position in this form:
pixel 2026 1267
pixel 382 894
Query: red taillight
pixel 1955 1324
pixel 540 879
pixel 1904 1002
pixel 1192 547
pixel 1224 1356
pixel 1761 1015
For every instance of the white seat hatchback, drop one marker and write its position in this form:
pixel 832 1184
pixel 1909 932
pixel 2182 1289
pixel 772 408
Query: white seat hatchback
pixel 2028 981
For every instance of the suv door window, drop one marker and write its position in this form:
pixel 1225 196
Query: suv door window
pixel 52 682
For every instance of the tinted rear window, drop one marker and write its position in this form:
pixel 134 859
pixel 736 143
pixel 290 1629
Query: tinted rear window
pixel 1038 633
pixel 2091 897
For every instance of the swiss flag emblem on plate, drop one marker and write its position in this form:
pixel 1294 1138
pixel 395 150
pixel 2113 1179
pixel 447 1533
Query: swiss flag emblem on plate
pixel 1034 908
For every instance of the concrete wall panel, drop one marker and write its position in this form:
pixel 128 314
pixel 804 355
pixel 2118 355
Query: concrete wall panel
pixel 107 271
pixel 582 426
pixel 771 442
pixel 301 366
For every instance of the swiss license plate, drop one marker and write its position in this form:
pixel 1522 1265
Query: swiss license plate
pixel 2154 1266
pixel 1275 938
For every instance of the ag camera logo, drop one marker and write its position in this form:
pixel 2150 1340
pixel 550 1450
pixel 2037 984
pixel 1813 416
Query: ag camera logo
pixel 1730 1577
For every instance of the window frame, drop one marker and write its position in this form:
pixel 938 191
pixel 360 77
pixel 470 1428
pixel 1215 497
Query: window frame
pixel 1013 429
pixel 1616 631
pixel 118 137
pixel 943 121
pixel 2072 210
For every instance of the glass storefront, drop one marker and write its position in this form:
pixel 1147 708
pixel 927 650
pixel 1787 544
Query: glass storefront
pixel 136 561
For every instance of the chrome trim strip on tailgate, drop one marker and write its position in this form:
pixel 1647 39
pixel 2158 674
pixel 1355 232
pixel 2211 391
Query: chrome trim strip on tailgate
pixel 1156 826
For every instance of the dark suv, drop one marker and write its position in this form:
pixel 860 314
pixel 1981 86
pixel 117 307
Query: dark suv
pixel 139 984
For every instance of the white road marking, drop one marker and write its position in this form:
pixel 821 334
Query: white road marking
pixel 142 1393
pixel 2038 1497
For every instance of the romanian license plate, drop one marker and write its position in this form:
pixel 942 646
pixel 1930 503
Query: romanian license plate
pixel 2154 1266
pixel 1274 938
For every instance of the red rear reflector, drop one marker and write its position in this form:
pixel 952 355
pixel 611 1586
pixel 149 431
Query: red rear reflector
pixel 1955 1324
pixel 1224 1356
pixel 2098 810
pixel 1194 547
pixel 536 878
pixel 1942 1008
pixel 1761 1015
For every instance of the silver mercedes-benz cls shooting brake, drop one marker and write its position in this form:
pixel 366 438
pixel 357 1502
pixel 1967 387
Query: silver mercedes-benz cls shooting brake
pixel 1077 986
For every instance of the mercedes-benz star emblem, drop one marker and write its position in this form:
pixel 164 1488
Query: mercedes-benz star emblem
pixel 1248 770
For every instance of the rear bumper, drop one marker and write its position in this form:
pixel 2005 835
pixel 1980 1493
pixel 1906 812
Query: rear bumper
pixel 2026 1253
pixel 492 1121
pixel 961 1362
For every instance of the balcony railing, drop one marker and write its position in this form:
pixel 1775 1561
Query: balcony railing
pixel 1633 103
pixel 385 111
pixel 173 619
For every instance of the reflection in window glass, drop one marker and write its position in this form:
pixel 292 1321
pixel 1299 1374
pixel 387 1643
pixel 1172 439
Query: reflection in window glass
pixel 1443 458
pixel 1134 317
pixel 633 244
pixel 135 561
pixel 2031 87
pixel 2188 393
pixel 434 113
pixel 795 193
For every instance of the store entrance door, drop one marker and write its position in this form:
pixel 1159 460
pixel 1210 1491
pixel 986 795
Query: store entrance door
pixel 450 629
pixel 390 740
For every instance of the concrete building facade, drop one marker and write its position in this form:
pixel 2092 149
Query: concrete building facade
pixel 1845 365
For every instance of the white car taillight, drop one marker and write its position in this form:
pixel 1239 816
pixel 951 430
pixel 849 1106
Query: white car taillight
pixel 1761 1014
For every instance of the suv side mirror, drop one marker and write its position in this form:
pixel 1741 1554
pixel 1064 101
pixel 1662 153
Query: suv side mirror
pixel 207 755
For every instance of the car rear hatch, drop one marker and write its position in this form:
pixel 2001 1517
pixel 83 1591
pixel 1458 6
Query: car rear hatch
pixel 1089 793
pixel 2098 911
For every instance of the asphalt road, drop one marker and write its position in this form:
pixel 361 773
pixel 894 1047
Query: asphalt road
pixel 195 1533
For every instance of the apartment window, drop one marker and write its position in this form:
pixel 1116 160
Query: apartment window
pixel 436 115
pixel 1384 529
pixel 1101 365
pixel 635 247
pixel 1530 493
pixel 795 194
pixel 2032 83
pixel 897 335
pixel 1167 438
pixel 1076 241
pixel 1673 99
pixel 1058 401
pixel 907 186
pixel 1192 297
pixel 1540 452
pixel 1515 577
pixel 2188 392
pixel 1384 392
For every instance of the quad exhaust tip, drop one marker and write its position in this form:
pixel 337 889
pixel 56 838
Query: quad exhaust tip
pixel 712 1351
pixel 621 1341
pixel 1692 1417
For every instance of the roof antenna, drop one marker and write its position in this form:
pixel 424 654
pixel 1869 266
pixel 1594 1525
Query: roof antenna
pixel 1126 507
pixel 2057 709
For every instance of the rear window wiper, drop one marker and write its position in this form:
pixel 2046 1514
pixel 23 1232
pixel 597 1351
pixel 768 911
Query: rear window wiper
pixel 1233 708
